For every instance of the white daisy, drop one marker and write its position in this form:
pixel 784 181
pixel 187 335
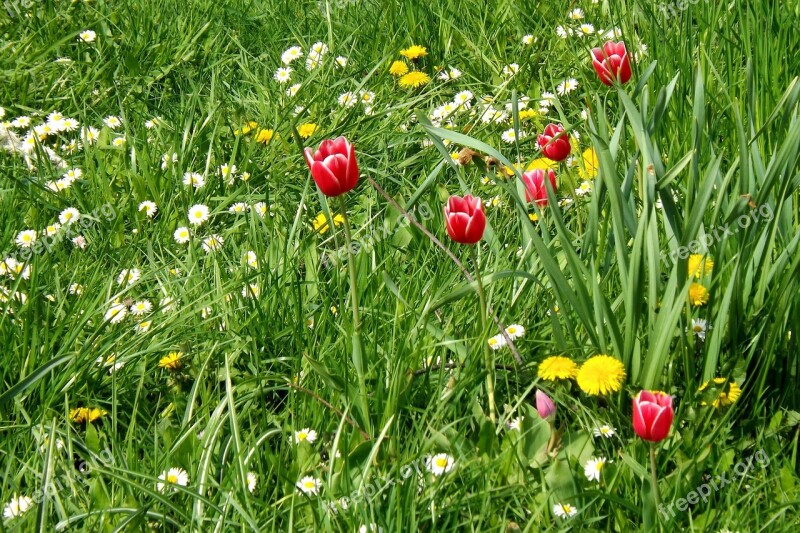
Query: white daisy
pixel 564 510
pixel 510 70
pixel 198 214
pixel 129 276
pixel 516 424
pixel 68 216
pixel 699 327
pixel 497 342
pixel 439 464
pixel 295 52
pixel 341 61
pixel 173 476
pixel 593 468
pixel 515 331
pixel 576 14
pixel 17 506
pixel 584 188
pixel 309 485
pixel 195 179
pixel 213 243
pixel 182 235
pixel 291 91
pixel 509 136
pixel 348 99
pixel 150 209
pixel 305 435
pixel 141 307
pixel 604 431
pixel 112 122
pixel 25 239
pixel 567 86
pixel 528 40
pixel 283 75
pixel 585 29
pixel 87 36
pixel 252 481
pixel 116 313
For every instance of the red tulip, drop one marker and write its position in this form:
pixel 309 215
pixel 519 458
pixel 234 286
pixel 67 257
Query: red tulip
pixel 652 415
pixel 544 405
pixel 465 219
pixel 333 166
pixel 535 188
pixel 611 63
pixel 554 143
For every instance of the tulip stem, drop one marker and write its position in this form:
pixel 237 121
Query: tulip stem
pixel 653 477
pixel 358 348
pixel 489 360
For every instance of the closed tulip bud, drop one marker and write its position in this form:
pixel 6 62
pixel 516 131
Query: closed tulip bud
pixel 333 166
pixel 535 187
pixel 611 63
pixel 544 405
pixel 465 219
pixel 652 415
pixel 554 143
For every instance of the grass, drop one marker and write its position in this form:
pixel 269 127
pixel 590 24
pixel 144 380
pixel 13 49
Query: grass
pixel 705 136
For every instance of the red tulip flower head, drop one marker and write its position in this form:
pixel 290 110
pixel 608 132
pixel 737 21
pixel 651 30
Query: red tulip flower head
pixel 554 143
pixel 652 415
pixel 535 187
pixel 333 166
pixel 544 405
pixel 611 63
pixel 465 219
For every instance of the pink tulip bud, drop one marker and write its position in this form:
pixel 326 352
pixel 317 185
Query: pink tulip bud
pixel 652 415
pixel 535 188
pixel 544 405
pixel 465 219
pixel 612 63
pixel 554 142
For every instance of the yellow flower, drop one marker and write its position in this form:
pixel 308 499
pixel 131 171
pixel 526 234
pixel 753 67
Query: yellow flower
pixel 542 163
pixel 700 265
pixel 526 114
pixel 171 361
pixel 557 367
pixel 727 395
pixel 414 79
pixel 698 295
pixel 247 128
pixel 533 217
pixel 414 51
pixel 588 169
pixel 307 130
pixel 321 223
pixel 265 136
pixel 398 68
pixel 601 374
pixel 81 415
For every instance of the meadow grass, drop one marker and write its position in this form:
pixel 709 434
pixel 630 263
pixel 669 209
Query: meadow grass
pixel 242 370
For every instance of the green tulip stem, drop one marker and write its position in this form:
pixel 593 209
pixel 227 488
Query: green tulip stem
pixel 488 356
pixel 653 477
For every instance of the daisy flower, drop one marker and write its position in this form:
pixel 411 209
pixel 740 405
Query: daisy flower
pixel 576 14
pixel 509 136
pixel 238 208
pixel 497 342
pixel 227 171
pixel 699 326
pixel 87 36
pixel 116 313
pixel 252 259
pixel 283 75
pixel 213 243
pixel 601 375
pixel 318 50
pixel 173 476
pixel 510 70
pixel 142 327
pixel 305 435
pixel 292 90
pixel 129 276
pixel 252 481
pixel 195 179
pixel 567 86
pixel 309 485
pixel 564 510
pixel 585 29
pixel 141 307
pixel 515 331
pixel 516 424
pixel 605 431
pixel 463 99
pixel 367 97
pixel 593 468
pixel 341 61
pixel 439 464
pixel 90 135
pixel 112 122
pixel 119 142
pixel 584 188
pixel 527 40
pixel 198 214
pixel 25 239
pixel 291 54
pixel 181 235
pixel 251 291
pixel 68 216
pixel 348 99
pixel 150 208
pixel 260 208
pixel 17 506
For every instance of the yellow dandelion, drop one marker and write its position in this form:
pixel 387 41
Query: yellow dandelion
pixel 601 374
pixel 700 265
pixel 81 415
pixel 728 394
pixel 588 169
pixel 171 361
pixel 414 79
pixel 533 217
pixel 557 367
pixel 542 163
pixel 265 135
pixel 398 68
pixel 247 128
pixel 698 295
pixel 307 130
pixel 527 114
pixel 321 223
pixel 414 52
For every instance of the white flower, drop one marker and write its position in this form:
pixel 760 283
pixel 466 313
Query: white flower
pixel 238 208
pixel 584 188
pixel 528 40
pixel 295 52
pixel 116 313
pixel 228 171
pixel 318 50
pixel 309 485
pixel 367 97
pixel 439 464
pixel 312 62
pixel 291 91
pixel 283 75
pixel 576 14
pixel 341 61
pixel 509 136
pixel 564 510
pixel 348 99
pixel 195 179
pixel 452 74
pixel 90 135
pixel 87 36
pixel 166 159
pixel 252 259
pixel 25 239
pixel 306 434
pixel 198 214
pixel 261 209
pixel 510 70
pixel 141 307
pixel 604 431
pixel 112 122
pixel 17 506
pixel 213 243
pixel 150 209
pixel 68 216
pixel 585 29
pixel 563 32
pixel 516 424
pixel 182 235
pixel 252 481
pixel 699 327
pixel 567 86
pixel 515 331
pixel 463 99
pixel 593 468
pixel 497 342
pixel 119 142
pixel 129 276
pixel 173 476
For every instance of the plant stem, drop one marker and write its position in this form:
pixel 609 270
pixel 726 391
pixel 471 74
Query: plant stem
pixel 358 349
pixel 488 357
pixel 653 478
